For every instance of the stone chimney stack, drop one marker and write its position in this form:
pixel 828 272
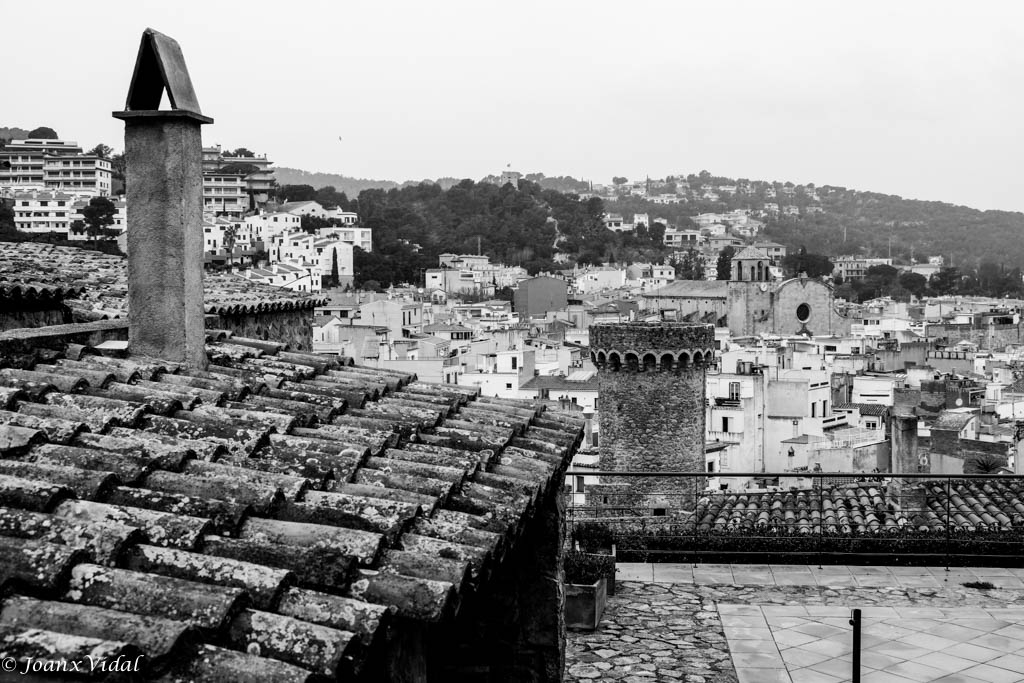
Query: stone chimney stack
pixel 164 174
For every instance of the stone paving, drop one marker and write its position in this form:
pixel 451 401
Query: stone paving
pixel 767 623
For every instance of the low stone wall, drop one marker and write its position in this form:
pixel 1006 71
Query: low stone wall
pixel 294 327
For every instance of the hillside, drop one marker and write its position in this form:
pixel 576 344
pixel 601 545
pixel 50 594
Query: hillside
pixel 353 186
pixel 836 220
pixel 350 186
pixel 13 133
pixel 529 226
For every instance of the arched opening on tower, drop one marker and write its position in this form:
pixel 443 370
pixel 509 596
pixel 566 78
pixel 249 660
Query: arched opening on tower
pixel 698 358
pixel 614 361
pixel 760 272
pixel 684 360
pixel 602 358
pixel 667 360
pixel 650 362
pixel 632 361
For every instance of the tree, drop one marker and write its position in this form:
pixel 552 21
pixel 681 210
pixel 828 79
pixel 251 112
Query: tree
pixel 240 152
pixel 620 180
pixel 334 267
pixel 101 151
pixel 814 265
pixel 296 193
pixel 724 265
pixel 690 266
pixel 945 281
pixel 43 133
pixel 230 237
pixel 239 167
pixel 7 225
pixel 915 283
pixel 98 215
pixel 984 463
pixel 330 198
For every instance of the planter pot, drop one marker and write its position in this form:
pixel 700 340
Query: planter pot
pixel 584 604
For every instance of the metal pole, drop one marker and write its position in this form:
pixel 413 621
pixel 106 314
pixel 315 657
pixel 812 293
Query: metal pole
pixel 947 526
pixel 695 520
pixel 855 622
pixel 821 519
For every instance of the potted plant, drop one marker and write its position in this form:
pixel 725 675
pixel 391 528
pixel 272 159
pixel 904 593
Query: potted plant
pixel 597 539
pixel 585 590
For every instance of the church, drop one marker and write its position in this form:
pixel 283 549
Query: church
pixel 752 302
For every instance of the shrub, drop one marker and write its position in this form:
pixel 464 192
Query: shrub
pixel 586 568
pixel 593 537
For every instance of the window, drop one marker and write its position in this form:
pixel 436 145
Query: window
pixel 824 408
pixel 814 409
pixel 580 486
pixel 711 465
pixel 508 386
pixel 734 391
pixel 803 313
pixel 515 362
pixel 725 424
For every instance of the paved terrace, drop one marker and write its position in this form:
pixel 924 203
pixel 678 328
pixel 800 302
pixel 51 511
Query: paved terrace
pixel 719 623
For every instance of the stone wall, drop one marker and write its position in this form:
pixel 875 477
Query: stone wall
pixel 15 316
pixel 652 413
pixel 651 339
pixel 28 342
pixel 995 337
pixel 294 327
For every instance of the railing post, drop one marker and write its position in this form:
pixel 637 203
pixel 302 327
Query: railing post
pixel 821 519
pixel 948 525
pixel 855 622
pixel 696 522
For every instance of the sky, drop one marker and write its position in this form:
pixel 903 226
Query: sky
pixel 918 99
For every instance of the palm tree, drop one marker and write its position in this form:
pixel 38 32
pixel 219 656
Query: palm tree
pixel 984 463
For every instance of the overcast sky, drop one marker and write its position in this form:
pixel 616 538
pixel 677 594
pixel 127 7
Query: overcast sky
pixel 920 99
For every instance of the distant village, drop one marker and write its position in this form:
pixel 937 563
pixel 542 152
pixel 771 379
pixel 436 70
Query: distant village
pixel 802 381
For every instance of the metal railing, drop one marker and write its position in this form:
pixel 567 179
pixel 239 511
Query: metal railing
pixel 827 517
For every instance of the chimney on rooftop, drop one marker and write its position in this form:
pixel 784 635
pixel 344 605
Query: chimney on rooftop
pixel 164 157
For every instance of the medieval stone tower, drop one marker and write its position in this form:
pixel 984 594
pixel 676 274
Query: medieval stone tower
pixel 651 389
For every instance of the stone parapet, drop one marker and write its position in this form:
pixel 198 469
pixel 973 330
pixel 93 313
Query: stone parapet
pixel 660 346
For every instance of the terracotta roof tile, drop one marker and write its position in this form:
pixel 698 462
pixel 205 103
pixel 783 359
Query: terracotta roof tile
pixel 95 285
pixel 278 503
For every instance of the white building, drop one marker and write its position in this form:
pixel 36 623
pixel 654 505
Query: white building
pixel 284 275
pixel 315 254
pixel 80 174
pixel 43 212
pixel 683 239
pixel 598 279
pixel 27 163
pixel 225 194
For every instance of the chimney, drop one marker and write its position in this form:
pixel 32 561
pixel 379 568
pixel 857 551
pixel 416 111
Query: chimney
pixel 164 170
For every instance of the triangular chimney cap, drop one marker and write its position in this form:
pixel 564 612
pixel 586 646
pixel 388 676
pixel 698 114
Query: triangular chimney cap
pixel 160 65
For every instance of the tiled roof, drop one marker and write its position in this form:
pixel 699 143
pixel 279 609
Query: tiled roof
pixel 552 382
pixel 952 420
pixel 864 408
pixel 264 520
pixel 696 289
pixel 98 283
pixel 867 508
pixel 750 253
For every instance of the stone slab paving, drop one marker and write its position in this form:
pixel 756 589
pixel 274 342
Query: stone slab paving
pixel 767 623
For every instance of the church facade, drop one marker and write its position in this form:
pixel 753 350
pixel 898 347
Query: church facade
pixel 752 302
